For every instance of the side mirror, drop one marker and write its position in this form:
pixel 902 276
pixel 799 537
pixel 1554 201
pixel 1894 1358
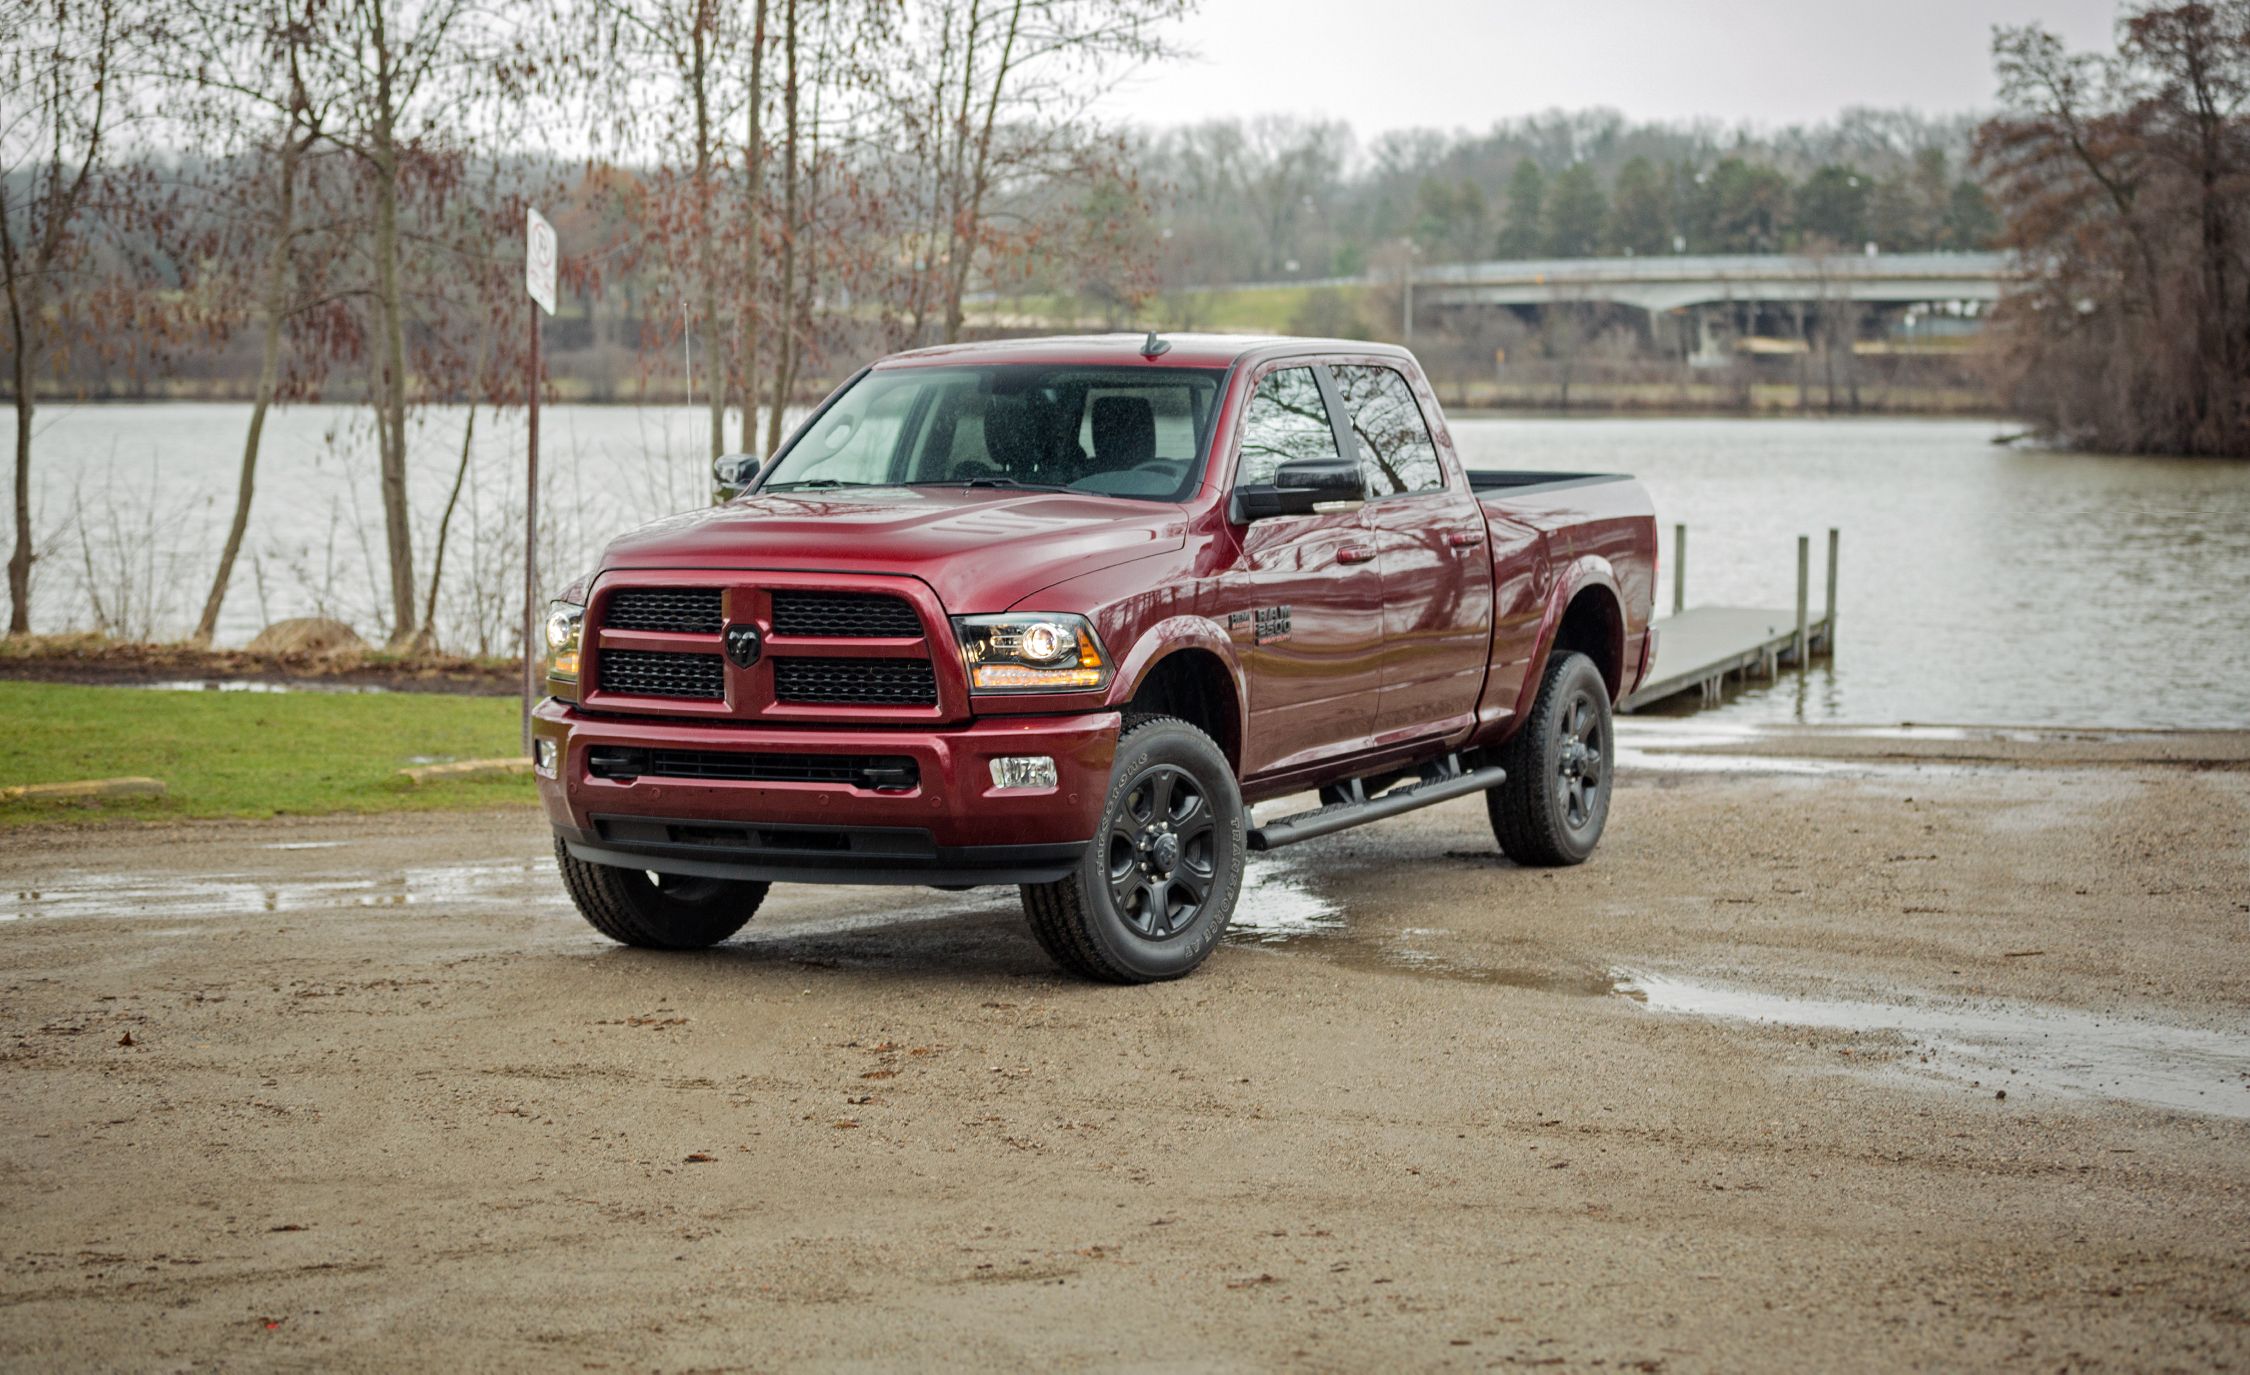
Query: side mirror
pixel 1300 487
pixel 734 471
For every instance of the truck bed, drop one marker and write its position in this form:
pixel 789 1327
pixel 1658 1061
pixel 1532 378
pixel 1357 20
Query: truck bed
pixel 1513 480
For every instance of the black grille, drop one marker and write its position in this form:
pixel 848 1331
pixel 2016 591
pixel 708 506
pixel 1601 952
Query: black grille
pixel 677 610
pixel 886 772
pixel 844 615
pixel 642 673
pixel 871 682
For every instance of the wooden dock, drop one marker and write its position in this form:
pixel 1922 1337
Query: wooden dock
pixel 1697 649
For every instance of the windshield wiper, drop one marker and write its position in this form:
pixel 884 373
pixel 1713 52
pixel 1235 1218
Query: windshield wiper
pixel 811 484
pixel 993 482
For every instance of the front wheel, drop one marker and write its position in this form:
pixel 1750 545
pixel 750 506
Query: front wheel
pixel 1158 883
pixel 657 911
pixel 1552 808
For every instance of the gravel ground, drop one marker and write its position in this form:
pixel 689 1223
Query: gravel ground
pixel 1850 1050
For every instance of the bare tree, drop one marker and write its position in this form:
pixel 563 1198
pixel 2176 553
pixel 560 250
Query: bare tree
pixel 58 114
pixel 2123 180
pixel 246 98
pixel 395 75
pixel 997 94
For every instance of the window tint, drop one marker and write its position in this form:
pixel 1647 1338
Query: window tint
pixel 1395 449
pixel 1286 420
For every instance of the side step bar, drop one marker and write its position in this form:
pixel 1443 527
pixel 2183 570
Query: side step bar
pixel 1342 816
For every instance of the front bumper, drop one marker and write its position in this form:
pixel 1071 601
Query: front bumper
pixel 950 827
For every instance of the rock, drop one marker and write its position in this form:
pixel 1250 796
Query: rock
pixel 316 636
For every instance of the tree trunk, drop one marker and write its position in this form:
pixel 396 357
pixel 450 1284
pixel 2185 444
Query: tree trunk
pixel 272 306
pixel 714 367
pixel 980 180
pixel 428 638
pixel 753 232
pixel 785 350
pixel 390 352
pixel 19 562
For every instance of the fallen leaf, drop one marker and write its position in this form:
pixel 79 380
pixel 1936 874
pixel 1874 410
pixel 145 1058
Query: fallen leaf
pixel 844 1124
pixel 127 1039
pixel 880 1074
pixel 701 1158
pixel 1250 1283
pixel 288 1227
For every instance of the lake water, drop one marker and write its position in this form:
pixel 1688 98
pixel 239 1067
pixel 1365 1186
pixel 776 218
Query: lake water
pixel 1978 583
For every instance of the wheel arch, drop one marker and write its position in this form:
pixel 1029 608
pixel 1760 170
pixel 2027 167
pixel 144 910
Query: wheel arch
pixel 1185 667
pixel 1585 615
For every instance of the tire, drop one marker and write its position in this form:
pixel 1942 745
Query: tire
pixel 1561 768
pixel 657 911
pixel 1159 882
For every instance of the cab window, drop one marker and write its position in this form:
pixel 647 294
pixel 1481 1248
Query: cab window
pixel 1395 449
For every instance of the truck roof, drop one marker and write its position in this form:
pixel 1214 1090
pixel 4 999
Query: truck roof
pixel 1124 350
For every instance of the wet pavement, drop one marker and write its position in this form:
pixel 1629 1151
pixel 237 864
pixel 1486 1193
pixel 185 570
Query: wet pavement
pixel 1931 1055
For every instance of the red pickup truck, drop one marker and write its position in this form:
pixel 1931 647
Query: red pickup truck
pixel 1058 613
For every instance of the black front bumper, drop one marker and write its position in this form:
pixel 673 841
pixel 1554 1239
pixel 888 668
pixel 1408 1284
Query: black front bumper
pixel 811 854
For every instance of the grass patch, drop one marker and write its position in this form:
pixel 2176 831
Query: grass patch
pixel 251 754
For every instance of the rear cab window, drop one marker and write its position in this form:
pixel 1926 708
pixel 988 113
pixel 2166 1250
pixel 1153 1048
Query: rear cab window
pixel 1395 449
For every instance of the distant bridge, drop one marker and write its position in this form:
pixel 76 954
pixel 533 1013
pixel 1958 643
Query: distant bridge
pixel 1660 284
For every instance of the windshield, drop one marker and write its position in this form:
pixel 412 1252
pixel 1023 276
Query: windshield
pixel 1120 432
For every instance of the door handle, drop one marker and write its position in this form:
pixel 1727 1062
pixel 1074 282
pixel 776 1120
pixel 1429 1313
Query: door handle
pixel 1462 539
pixel 1354 553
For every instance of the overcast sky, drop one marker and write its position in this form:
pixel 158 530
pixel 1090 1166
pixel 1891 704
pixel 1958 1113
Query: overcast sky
pixel 1462 64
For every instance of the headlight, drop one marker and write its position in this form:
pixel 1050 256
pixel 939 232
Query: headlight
pixel 1039 651
pixel 566 622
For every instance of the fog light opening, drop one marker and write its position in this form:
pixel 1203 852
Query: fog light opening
pixel 1023 771
pixel 543 757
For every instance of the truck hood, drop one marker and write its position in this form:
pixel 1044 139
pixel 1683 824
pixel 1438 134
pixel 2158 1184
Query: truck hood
pixel 979 549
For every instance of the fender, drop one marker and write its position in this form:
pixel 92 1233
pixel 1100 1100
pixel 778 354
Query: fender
pixel 1168 637
pixel 1587 570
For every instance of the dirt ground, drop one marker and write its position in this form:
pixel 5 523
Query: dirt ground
pixel 1849 1051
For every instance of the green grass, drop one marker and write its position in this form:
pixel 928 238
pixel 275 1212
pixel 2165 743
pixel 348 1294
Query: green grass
pixel 251 754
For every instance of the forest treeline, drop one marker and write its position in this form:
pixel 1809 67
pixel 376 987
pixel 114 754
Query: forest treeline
pixel 329 196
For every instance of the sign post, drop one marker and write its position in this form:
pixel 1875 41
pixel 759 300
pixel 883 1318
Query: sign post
pixel 539 280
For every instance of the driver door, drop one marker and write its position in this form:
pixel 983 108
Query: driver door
pixel 1304 605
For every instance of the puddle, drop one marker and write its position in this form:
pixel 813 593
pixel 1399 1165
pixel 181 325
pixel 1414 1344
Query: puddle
pixel 2004 1046
pixel 1278 904
pixel 1280 907
pixel 1648 745
pixel 78 894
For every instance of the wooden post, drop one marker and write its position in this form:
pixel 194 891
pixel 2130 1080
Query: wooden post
pixel 1828 622
pixel 1804 595
pixel 1679 569
pixel 531 541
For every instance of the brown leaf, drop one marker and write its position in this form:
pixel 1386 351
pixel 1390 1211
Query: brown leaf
pixel 127 1040
pixel 844 1124
pixel 701 1158
pixel 880 1074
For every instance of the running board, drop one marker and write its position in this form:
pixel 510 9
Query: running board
pixel 1342 816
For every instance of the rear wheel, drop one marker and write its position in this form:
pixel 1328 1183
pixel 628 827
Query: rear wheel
pixel 1552 808
pixel 657 911
pixel 1158 884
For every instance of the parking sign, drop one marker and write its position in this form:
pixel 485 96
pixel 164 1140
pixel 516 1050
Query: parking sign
pixel 539 259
